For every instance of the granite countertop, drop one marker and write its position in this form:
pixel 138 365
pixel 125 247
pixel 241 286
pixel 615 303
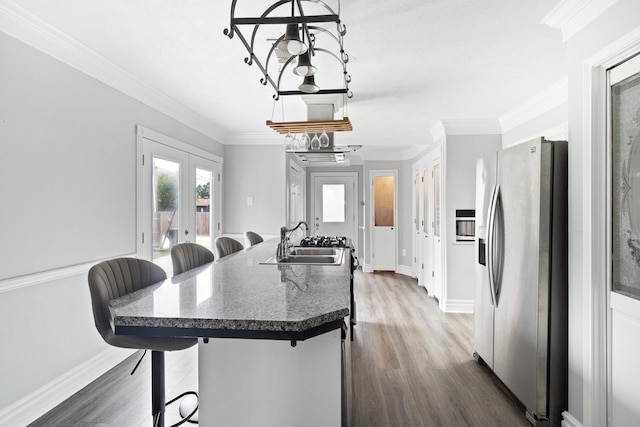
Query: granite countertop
pixel 236 296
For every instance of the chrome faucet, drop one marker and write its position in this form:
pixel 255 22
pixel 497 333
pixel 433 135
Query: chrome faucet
pixel 283 246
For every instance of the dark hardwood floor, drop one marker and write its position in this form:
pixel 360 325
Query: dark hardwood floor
pixel 412 366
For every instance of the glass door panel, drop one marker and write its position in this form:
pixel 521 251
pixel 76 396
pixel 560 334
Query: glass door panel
pixel 204 219
pixel 166 206
pixel 333 202
pixel 204 202
pixel 436 200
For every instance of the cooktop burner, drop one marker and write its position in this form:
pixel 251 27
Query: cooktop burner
pixel 324 241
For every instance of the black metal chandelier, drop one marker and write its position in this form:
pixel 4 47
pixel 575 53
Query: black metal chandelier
pixel 297 41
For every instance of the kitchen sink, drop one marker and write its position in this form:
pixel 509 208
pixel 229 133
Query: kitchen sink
pixel 314 251
pixel 309 256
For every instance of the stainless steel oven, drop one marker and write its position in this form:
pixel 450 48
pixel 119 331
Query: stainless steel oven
pixel 465 225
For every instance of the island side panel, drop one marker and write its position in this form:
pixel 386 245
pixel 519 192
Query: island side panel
pixel 269 382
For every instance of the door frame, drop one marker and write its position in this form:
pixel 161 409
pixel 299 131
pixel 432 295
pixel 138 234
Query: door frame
pixel 382 172
pixel 356 197
pixel 142 134
pixel 595 308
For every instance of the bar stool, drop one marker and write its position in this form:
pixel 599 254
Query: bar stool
pixel 114 278
pixel 251 238
pixel 185 256
pixel 226 246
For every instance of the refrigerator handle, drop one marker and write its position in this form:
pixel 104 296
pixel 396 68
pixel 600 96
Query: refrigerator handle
pixel 493 204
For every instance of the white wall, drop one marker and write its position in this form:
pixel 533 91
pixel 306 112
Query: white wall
pixel 257 171
pixel 551 124
pixel 68 197
pixel 613 24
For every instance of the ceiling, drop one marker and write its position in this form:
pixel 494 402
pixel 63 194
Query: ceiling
pixel 412 62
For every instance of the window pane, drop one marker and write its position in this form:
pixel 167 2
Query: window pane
pixel 333 209
pixel 166 220
pixel 625 191
pixel 384 197
pixel 417 200
pixel 425 187
pixel 204 183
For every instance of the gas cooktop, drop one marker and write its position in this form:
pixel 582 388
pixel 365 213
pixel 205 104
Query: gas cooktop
pixel 324 241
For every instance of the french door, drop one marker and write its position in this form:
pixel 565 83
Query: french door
pixel 179 200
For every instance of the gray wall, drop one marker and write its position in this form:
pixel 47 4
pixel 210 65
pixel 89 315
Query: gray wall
pixel 257 171
pixel 461 153
pixel 68 197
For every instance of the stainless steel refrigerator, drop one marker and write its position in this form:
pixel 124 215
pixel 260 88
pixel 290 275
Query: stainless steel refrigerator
pixel 520 315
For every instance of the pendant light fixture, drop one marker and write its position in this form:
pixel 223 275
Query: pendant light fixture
pixel 310 28
pixel 304 67
pixel 291 42
pixel 309 85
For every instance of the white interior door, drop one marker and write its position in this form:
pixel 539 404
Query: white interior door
pixel 436 227
pixel 418 217
pixel 624 283
pixel 333 205
pixel 425 232
pixel 384 220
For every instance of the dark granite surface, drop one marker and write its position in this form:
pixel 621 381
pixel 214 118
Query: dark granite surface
pixel 238 293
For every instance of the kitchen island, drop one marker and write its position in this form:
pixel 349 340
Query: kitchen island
pixel 271 348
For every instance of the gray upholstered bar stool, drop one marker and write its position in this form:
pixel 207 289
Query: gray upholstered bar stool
pixel 251 238
pixel 185 256
pixel 226 246
pixel 114 278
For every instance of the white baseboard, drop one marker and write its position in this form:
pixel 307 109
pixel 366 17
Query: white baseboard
pixel 38 403
pixel 405 269
pixel 457 306
pixel 569 420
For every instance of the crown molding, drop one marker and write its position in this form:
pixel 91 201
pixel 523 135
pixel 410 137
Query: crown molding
pixel 33 31
pixel 552 97
pixel 571 16
pixel 471 127
pixel 407 153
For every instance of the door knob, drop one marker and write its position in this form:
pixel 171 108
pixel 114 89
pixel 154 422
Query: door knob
pixel 186 232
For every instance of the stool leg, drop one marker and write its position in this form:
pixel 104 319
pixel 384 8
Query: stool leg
pixel 157 387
